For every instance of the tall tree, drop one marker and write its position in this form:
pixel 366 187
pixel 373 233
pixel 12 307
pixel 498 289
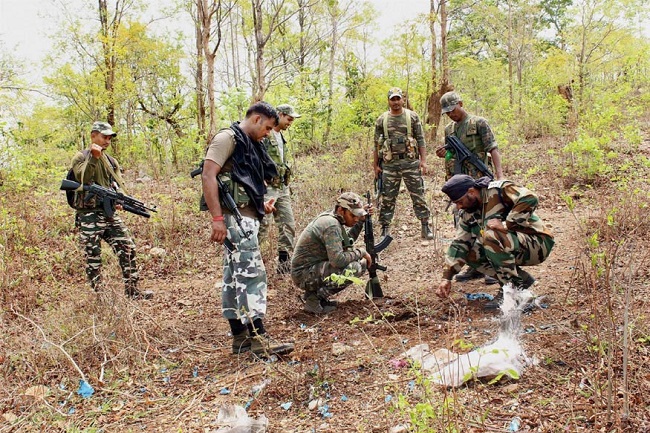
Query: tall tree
pixel 210 16
pixel 438 87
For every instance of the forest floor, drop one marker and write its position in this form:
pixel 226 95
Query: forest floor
pixel 342 376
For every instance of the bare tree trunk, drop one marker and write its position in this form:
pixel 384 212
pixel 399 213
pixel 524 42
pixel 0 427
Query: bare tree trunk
pixel 109 32
pixel 200 90
pixel 260 44
pixel 330 90
pixel 511 87
pixel 437 88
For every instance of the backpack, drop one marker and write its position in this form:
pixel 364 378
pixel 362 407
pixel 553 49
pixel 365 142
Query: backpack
pixel 69 195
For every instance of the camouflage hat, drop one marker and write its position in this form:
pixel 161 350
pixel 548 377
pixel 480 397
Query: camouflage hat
pixel 104 128
pixel 449 101
pixel 458 185
pixel 288 110
pixel 352 202
pixel 394 91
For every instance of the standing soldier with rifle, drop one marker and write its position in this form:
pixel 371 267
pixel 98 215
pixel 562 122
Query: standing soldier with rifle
pixel 237 157
pixel 278 188
pixel 475 134
pixel 95 219
pixel 400 153
pixel 326 248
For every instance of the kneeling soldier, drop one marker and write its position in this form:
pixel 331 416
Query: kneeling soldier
pixel 325 248
pixel 498 232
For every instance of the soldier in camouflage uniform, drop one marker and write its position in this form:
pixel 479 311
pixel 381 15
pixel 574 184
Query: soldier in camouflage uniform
pixel 498 232
pixel 277 148
pixel 475 133
pixel 400 152
pixel 325 251
pixel 93 165
pixel 236 155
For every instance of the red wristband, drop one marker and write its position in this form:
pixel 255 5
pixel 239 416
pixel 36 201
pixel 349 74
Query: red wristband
pixel 217 218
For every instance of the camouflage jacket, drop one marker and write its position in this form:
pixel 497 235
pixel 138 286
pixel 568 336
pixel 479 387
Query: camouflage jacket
pixel 477 136
pixel 326 240
pixel 281 159
pixel 503 200
pixel 94 170
pixel 398 140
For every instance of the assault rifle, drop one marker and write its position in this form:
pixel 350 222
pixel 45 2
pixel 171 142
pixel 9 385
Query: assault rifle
pixel 453 144
pixel 379 184
pixel 229 202
pixel 109 198
pixel 373 288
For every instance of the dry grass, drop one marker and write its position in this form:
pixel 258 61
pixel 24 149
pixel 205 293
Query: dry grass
pixel 161 365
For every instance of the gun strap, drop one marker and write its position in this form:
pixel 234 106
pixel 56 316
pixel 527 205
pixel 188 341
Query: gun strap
pixel 408 123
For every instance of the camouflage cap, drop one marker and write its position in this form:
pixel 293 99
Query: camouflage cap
pixel 104 128
pixel 288 110
pixel 394 91
pixel 352 202
pixel 458 185
pixel 449 101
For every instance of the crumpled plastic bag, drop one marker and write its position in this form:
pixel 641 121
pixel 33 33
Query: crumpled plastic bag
pixel 504 357
pixel 234 419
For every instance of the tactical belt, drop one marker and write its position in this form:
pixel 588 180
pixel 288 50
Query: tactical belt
pixel 400 155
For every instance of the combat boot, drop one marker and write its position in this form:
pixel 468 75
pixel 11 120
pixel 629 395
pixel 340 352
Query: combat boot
pixel 426 231
pixel 284 264
pixel 316 305
pixel 263 345
pixel 241 343
pixel 385 231
pixel 527 280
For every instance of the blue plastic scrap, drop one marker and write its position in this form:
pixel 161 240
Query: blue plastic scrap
pixel 479 296
pixel 324 411
pixel 224 391
pixel 514 424
pixel 344 397
pixel 287 405
pixel 85 390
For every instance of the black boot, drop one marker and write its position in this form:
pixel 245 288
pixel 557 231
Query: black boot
pixel 385 231
pixel 426 231
pixel 284 264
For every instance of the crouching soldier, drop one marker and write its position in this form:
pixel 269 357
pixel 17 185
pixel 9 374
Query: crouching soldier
pixel 325 248
pixel 498 233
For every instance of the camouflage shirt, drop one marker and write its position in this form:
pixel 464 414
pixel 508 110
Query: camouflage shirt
pixel 94 170
pixel 397 127
pixel 477 136
pixel 279 156
pixel 326 240
pixel 503 200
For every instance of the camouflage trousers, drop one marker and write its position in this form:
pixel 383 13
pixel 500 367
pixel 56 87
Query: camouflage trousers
pixel 393 173
pixel 243 294
pixel 93 227
pixel 283 217
pixel 326 280
pixel 500 254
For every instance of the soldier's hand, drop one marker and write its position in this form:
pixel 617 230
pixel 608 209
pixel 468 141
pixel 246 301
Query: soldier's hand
pixel 423 167
pixel 441 151
pixel 218 232
pixel 496 225
pixel 269 205
pixel 370 208
pixel 96 150
pixel 443 289
pixel 368 259
pixel 378 171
